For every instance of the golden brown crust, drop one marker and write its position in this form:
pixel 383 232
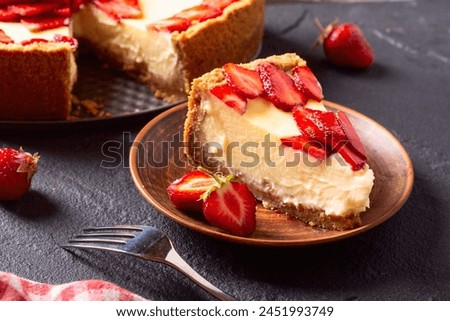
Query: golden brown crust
pixel 36 81
pixel 197 156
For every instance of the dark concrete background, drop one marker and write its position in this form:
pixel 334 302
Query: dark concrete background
pixel 406 258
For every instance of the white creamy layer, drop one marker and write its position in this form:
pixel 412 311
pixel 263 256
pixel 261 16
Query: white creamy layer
pixel 18 32
pixel 131 40
pixel 295 177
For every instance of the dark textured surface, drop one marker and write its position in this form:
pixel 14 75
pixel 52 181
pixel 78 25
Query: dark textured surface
pixel 406 258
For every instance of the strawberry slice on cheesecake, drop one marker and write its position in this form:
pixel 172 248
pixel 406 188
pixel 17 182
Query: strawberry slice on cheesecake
pixel 265 123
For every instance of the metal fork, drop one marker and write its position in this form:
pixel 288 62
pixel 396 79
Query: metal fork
pixel 144 242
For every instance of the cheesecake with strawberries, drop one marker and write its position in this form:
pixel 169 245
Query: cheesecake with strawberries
pixel 164 46
pixel 265 123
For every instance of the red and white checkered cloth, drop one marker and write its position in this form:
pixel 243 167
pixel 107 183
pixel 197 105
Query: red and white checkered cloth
pixel 14 288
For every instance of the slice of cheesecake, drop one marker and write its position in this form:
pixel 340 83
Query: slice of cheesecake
pixel 175 41
pixel 164 44
pixel 265 123
pixel 37 65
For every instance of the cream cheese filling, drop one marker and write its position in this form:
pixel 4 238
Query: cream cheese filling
pixel 250 145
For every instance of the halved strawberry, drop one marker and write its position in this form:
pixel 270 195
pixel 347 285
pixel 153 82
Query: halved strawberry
pixel 246 81
pixel 307 82
pixel 185 192
pixel 34 9
pixel 170 25
pixel 230 97
pixel 39 24
pixel 120 9
pixel 4 38
pixel 219 4
pixel 231 207
pixel 199 13
pixel 303 143
pixel 280 87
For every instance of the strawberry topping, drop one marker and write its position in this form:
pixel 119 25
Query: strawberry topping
pixel 170 25
pixel 307 83
pixel 8 16
pixel 32 10
pixel 40 24
pixel 219 4
pixel 244 80
pixel 199 13
pixel 324 133
pixel 231 98
pixel 280 88
pixel 120 9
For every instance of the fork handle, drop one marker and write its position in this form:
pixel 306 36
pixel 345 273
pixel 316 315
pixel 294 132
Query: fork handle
pixel 175 260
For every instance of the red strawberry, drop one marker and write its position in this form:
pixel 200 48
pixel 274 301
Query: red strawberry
pixel 16 171
pixel 219 4
pixel 170 25
pixel 61 38
pixel 185 192
pixel 332 132
pixel 280 87
pixel 34 40
pixel 246 81
pixel 39 24
pixel 353 152
pixel 307 83
pixel 345 45
pixel 231 98
pixel 120 9
pixel 231 207
pixel 4 38
pixel 8 16
pixel 31 10
pixel 199 13
pixel 301 142
pixel 63 12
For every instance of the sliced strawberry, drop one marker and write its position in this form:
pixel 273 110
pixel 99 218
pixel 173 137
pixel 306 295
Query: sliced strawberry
pixel 4 38
pixel 32 10
pixel 61 38
pixel 170 25
pixel 280 87
pixel 303 143
pixel 39 24
pixel 308 123
pixel 353 152
pixel 120 9
pixel 199 13
pixel 231 98
pixel 34 40
pixel 219 4
pixel 244 80
pixel 63 12
pixel 185 192
pixel 307 83
pixel 8 16
pixel 231 207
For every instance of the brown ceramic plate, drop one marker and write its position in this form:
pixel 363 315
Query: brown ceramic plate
pixel 156 160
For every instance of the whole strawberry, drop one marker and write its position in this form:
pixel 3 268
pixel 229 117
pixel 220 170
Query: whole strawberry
pixel 345 45
pixel 16 171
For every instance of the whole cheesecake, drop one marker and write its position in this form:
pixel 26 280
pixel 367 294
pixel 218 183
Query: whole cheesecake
pixel 165 46
pixel 265 123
